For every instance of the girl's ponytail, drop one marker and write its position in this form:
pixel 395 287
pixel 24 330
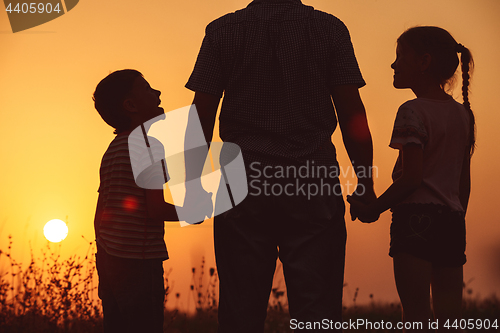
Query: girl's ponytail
pixel 467 68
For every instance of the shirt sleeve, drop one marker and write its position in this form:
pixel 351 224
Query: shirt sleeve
pixel 344 66
pixel 149 172
pixel 408 128
pixel 207 73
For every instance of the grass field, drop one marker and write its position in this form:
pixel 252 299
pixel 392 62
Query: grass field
pixel 53 295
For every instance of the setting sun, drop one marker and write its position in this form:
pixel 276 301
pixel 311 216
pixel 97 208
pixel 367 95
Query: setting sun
pixel 55 231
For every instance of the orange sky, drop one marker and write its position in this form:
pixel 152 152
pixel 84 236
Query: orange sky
pixel 53 139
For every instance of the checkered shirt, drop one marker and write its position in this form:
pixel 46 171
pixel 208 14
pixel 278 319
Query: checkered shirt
pixel 276 62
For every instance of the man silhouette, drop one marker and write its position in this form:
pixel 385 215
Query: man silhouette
pixel 279 64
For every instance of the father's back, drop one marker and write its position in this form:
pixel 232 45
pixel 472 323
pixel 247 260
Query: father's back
pixel 276 62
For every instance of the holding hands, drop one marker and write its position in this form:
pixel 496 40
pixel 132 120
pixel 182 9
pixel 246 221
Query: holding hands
pixel 361 207
pixel 197 206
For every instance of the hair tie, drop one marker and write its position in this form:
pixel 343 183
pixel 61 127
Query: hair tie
pixel 460 48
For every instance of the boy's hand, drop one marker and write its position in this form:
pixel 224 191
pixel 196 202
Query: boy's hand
pixel 197 206
pixel 361 210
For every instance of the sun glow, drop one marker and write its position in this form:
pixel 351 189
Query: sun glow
pixel 55 231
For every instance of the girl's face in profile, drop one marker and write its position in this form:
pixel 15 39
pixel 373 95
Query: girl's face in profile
pixel 406 68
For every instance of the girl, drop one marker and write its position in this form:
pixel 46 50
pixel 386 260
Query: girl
pixel 435 136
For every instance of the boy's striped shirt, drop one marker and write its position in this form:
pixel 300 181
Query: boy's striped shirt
pixel 125 230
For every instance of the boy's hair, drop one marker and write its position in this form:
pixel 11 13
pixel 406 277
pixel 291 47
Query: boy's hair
pixel 443 50
pixel 109 96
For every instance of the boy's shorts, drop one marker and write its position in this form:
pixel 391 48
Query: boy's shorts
pixel 132 293
pixel 430 232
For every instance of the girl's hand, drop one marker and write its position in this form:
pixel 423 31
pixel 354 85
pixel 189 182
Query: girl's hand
pixel 361 211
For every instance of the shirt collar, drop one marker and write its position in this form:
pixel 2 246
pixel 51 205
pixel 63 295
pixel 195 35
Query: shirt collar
pixel 258 2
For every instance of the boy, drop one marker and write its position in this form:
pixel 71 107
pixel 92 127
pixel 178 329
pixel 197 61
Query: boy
pixel 129 219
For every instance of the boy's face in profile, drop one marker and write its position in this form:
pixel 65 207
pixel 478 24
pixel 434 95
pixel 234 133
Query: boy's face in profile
pixel 145 100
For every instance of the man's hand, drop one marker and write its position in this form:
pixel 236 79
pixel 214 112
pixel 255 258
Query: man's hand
pixel 197 206
pixel 360 201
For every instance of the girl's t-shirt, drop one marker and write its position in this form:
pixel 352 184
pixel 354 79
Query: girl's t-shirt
pixel 441 128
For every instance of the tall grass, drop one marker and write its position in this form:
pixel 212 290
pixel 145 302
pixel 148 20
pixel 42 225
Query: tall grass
pixel 51 294
pixel 56 295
